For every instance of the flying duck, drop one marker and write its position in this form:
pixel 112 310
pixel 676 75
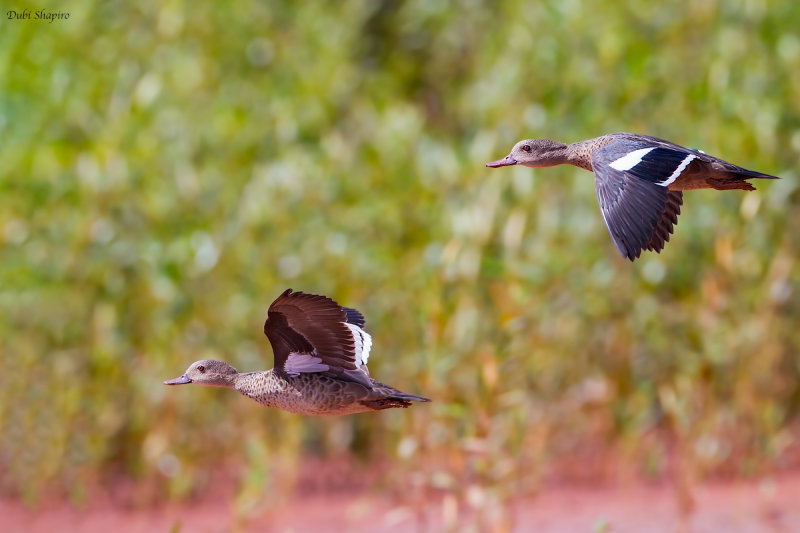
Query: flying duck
pixel 639 181
pixel 320 352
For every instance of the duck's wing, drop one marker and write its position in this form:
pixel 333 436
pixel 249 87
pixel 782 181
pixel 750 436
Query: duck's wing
pixel 694 161
pixel 631 179
pixel 311 333
pixel 669 218
pixel 354 317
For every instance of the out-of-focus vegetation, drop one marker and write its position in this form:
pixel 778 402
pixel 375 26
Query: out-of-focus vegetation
pixel 168 168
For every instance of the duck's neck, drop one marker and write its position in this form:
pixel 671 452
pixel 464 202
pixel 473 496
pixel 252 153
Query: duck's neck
pixel 563 154
pixel 228 380
pixel 579 154
pixel 260 386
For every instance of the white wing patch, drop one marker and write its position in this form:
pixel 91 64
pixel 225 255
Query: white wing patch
pixel 305 363
pixel 681 168
pixel 363 342
pixel 630 160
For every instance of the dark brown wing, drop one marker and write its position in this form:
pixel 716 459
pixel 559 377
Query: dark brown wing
pixel 668 220
pixel 308 333
pixel 638 209
pixel 632 209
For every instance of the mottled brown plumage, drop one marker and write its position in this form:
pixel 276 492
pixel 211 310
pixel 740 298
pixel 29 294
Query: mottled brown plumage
pixel 320 362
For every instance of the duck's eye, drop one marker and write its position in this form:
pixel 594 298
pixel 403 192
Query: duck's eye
pixel 201 369
pixel 526 147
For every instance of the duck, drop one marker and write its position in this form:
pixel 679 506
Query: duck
pixel 639 181
pixel 320 354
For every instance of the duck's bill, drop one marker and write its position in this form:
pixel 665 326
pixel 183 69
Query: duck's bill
pixel 506 161
pixel 178 381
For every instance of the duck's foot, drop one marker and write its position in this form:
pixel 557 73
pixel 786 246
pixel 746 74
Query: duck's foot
pixel 725 185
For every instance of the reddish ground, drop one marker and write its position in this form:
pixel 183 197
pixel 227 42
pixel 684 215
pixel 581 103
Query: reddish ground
pixel 771 504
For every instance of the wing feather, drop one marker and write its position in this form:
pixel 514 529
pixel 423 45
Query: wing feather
pixel 310 333
pixel 640 214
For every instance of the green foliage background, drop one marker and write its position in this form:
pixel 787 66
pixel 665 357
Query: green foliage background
pixel 168 168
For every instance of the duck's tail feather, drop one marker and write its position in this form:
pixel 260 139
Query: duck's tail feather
pixel 388 397
pixel 408 397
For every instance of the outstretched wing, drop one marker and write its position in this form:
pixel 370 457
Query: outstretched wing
pixel 631 180
pixel 312 333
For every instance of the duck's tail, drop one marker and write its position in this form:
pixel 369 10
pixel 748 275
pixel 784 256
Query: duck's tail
pixel 747 174
pixel 402 396
pixel 736 178
pixel 389 397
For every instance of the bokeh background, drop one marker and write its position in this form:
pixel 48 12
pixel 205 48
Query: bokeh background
pixel 168 168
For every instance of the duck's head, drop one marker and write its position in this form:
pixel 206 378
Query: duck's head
pixel 533 153
pixel 207 372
